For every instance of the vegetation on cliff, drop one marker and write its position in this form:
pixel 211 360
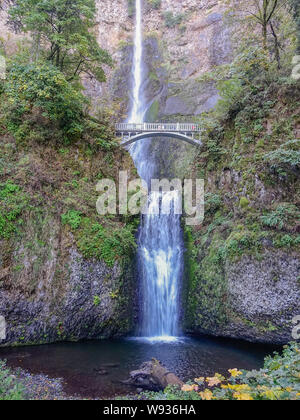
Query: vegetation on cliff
pixel 251 164
pixel 54 150
pixel 43 112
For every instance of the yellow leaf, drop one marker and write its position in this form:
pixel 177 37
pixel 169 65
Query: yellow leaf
pixel 234 372
pixel 189 388
pixel 206 395
pixel 213 381
pixel 242 396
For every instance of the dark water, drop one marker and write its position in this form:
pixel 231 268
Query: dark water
pixel 77 363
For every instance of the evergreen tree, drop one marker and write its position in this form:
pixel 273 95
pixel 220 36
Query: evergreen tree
pixel 62 31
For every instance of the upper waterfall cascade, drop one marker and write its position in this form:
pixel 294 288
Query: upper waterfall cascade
pixel 160 242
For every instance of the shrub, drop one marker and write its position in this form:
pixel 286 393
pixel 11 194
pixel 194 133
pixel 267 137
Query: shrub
pixel 13 202
pixel 42 87
pixel 10 388
pixel 244 202
pixel 281 217
pixel 155 4
pixel 212 202
pixel 229 90
pixel 284 158
pixel 131 7
pixel 72 218
pixel 239 243
pixel 97 300
pixel 96 241
pixel 173 20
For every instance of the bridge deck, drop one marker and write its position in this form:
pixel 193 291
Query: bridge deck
pixel 153 127
pixel 131 132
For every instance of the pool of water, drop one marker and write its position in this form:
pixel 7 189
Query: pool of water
pixel 97 368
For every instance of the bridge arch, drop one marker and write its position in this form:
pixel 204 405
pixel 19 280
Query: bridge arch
pixel 178 136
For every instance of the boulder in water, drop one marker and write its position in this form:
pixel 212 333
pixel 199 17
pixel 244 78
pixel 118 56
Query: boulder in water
pixel 153 376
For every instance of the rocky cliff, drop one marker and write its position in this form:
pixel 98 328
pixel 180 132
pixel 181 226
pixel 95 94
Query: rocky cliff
pixel 66 273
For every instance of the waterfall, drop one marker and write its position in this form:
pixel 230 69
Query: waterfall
pixel 138 103
pixel 160 244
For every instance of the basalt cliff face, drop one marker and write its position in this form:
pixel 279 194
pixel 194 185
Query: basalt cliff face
pixel 182 40
pixel 65 274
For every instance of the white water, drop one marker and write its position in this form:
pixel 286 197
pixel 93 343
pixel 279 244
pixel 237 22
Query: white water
pixel 160 256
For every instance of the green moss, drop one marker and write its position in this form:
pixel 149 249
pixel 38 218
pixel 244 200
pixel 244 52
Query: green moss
pixel 109 244
pixel 172 20
pixel 131 7
pixel 72 218
pixel 13 202
pixel 206 305
pixel 244 202
pixel 97 300
pixel 154 4
pixel 153 112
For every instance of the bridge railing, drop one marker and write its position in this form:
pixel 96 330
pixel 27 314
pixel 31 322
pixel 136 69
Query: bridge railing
pixel 150 127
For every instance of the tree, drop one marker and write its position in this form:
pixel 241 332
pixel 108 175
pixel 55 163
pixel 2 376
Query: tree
pixel 62 30
pixel 42 87
pixel 265 13
pixel 296 13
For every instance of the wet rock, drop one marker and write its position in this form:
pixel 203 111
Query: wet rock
pixel 153 376
pixel 67 312
pixel 101 371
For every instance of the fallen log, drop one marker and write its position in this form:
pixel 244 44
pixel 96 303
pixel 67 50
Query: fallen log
pixel 153 376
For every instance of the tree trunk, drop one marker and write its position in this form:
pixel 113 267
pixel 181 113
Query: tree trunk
pixel 276 45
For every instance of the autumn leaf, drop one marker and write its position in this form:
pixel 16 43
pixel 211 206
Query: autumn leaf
pixel 242 396
pixel 206 395
pixel 199 380
pixel 234 372
pixel 189 388
pixel 213 381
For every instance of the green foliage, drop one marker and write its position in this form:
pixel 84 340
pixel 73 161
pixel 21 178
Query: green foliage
pixel 95 241
pixel 63 34
pixel 131 7
pixel 212 202
pixel 241 242
pixel 278 380
pixel 155 4
pixel 285 158
pixel 10 386
pixel 173 20
pixel 97 300
pixel 296 13
pixel 287 241
pixel 72 218
pixel 244 202
pixel 206 304
pixel 42 87
pixel 282 217
pixel 229 90
pixel 13 201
